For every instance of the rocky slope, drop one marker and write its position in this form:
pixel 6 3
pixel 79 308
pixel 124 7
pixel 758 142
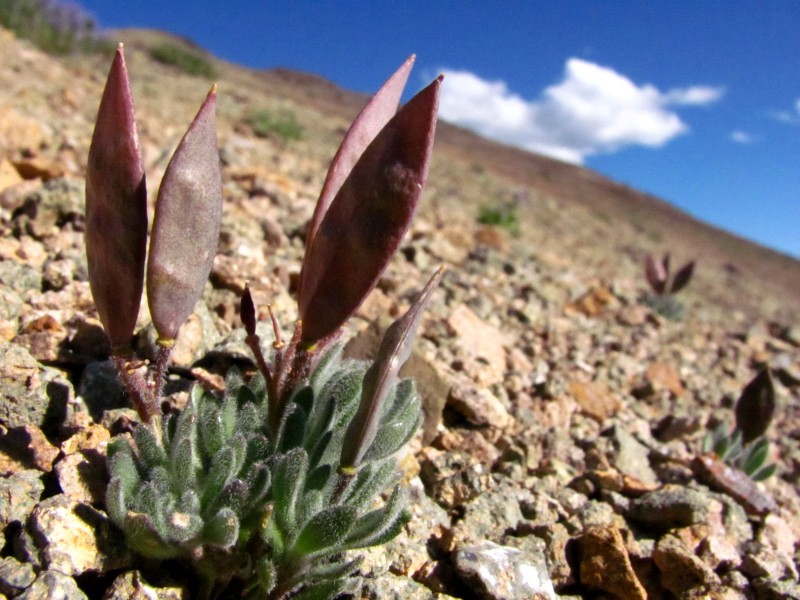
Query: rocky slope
pixel 562 414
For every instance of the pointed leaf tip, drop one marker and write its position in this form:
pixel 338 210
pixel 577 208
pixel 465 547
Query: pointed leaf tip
pixel 116 209
pixel 186 224
pixel 248 311
pixel 381 377
pixel 368 219
pixel 372 118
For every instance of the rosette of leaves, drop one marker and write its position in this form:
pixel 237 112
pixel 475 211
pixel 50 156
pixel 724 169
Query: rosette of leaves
pixel 196 489
pixel 267 490
pixel 664 286
pixel 745 447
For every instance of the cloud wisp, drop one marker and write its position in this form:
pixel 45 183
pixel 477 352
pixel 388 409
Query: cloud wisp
pixel 592 110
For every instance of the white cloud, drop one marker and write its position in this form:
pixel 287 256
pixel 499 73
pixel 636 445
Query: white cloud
pixel 592 110
pixel 741 137
pixel 787 116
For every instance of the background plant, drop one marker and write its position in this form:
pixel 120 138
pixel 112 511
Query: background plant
pixel 267 489
pixel 188 61
pixel 745 447
pixel 283 124
pixel 664 285
pixel 505 217
pixel 55 27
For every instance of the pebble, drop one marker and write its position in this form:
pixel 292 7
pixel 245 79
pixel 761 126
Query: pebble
pixel 502 573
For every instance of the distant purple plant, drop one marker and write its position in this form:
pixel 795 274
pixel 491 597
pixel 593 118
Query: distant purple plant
pixel 664 285
pixel 280 473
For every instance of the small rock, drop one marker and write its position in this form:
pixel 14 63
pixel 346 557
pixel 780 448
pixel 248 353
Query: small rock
pixel 101 388
pixel 504 573
pixel 479 406
pixel 663 376
pixel 19 493
pixel 83 476
pixel 24 448
pixel 131 585
pixel 452 478
pixel 480 341
pixel 29 392
pixel 394 587
pixel 74 537
pixel 761 561
pixel 669 507
pixel 631 456
pixel 681 571
pixel 604 564
pixel 487 516
pixel 15 576
pixel 52 585
pixel 595 400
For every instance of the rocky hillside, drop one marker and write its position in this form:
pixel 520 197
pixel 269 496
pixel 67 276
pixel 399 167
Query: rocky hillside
pixel 562 414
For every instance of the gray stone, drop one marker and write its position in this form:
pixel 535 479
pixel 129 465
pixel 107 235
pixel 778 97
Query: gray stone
pixel 131 585
pixel 631 457
pixel 29 392
pixel 74 538
pixel 489 516
pixel 52 585
pixel 15 576
pixel 669 507
pixel 395 587
pixel 19 277
pixel 101 388
pixel 19 493
pixel 504 573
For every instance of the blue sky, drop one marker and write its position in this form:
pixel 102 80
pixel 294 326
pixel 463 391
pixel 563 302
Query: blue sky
pixel 695 102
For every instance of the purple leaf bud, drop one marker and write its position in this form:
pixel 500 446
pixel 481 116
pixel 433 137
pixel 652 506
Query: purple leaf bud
pixel 116 210
pixel 682 277
pixel 368 218
pixel 656 274
pixel 248 312
pixel 372 118
pixel 756 406
pixel 381 377
pixel 186 225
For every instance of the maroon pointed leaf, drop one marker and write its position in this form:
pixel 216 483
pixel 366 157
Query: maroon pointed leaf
pixel 116 210
pixel 682 278
pixel 186 225
pixel 367 220
pixel 656 274
pixel 372 118
pixel 756 406
pixel 381 377
pixel 248 311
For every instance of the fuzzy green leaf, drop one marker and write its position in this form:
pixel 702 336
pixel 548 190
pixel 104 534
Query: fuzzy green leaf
pixel 293 429
pixel 151 452
pixel 764 473
pixel 144 538
pixel 184 463
pixel 325 590
pixel 221 473
pixel 756 456
pixel 288 481
pixel 266 574
pixel 222 529
pixel 332 570
pixel 393 435
pixel 325 531
pixel 122 465
pixel 319 477
pixel 212 432
pixel 116 504
pixel 182 527
pixel 371 480
pixel 372 528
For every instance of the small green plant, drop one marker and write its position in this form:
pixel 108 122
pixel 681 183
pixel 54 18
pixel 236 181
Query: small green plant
pixel 505 217
pixel 55 27
pixel 188 61
pixel 745 447
pixel 267 490
pixel 284 124
pixel 664 286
